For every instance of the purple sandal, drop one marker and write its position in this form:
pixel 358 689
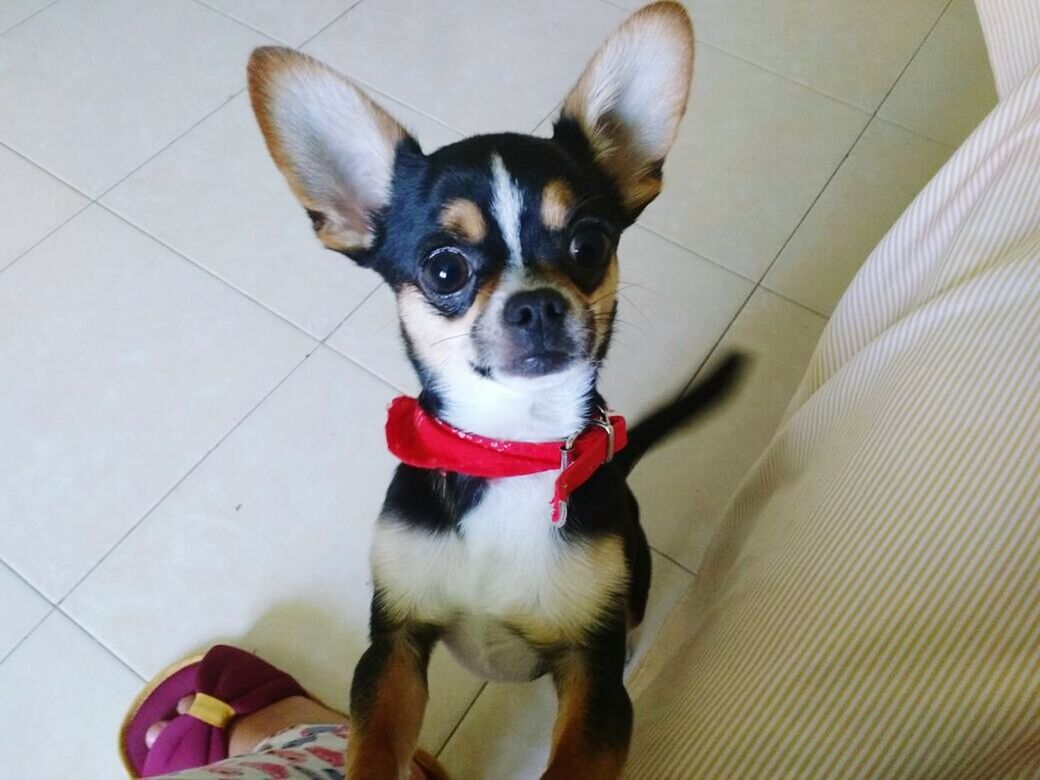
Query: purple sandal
pixel 226 682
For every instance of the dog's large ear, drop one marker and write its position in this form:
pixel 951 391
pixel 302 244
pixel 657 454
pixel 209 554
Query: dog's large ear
pixel 628 103
pixel 333 144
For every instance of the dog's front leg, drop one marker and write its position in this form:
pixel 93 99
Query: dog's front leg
pixel 594 717
pixel 387 700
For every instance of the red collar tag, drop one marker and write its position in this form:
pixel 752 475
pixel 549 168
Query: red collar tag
pixel 420 440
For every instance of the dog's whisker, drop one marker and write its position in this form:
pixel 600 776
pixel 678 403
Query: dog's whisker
pixel 635 306
pixel 385 325
pixel 620 324
pixel 641 286
pixel 587 200
pixel 449 338
pixel 594 301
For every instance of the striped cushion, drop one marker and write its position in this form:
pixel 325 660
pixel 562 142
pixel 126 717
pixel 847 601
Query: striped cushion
pixel 871 604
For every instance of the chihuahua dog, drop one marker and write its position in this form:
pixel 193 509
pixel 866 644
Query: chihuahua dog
pixel 501 251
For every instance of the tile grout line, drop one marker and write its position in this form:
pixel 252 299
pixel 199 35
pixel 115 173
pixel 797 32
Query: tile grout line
pixel 207 115
pixel 695 252
pixel 136 168
pixel 461 719
pixel 50 610
pixel 918 133
pixel 179 481
pixel 314 338
pixel 25 581
pixel 349 315
pixel 48 234
pixel 316 345
pixel 327 26
pixel 241 22
pixel 91 201
pixel 69 185
pixel 206 270
pixel 166 146
pixel 556 107
pixel 350 358
pixel 50 173
pixel 843 101
pixel 271 35
pixel 815 200
pixel 53 608
pixel 700 367
pixel 96 201
pixel 696 372
pixel 357 364
pixel 59 604
pixel 765 287
pixel 37 12
pixel 365 84
pixel 714 348
pixel 370 88
pixel 100 644
pixel 852 148
pixel 910 60
pixel 719 264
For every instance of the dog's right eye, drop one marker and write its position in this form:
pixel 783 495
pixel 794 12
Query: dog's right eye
pixel 590 247
pixel 445 271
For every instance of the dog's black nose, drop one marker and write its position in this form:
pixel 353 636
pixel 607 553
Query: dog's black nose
pixel 534 310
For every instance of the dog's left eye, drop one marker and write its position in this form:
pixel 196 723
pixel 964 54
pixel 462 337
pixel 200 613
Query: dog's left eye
pixel 589 247
pixel 445 271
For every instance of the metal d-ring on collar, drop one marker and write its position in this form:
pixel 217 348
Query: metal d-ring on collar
pixel 603 422
pixel 608 426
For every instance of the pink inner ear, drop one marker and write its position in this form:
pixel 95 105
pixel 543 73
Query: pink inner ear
pixel 633 94
pixel 333 144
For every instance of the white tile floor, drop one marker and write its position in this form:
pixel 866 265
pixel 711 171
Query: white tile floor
pixel 192 391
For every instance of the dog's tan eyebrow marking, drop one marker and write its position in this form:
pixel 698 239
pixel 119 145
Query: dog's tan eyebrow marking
pixel 557 201
pixel 464 218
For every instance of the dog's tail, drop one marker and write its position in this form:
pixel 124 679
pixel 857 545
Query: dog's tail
pixel 703 397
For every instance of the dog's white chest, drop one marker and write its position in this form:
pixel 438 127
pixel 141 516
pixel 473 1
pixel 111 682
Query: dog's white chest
pixel 506 578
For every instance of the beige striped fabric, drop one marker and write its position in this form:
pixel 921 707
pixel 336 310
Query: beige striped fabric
pixel 1012 31
pixel 871 604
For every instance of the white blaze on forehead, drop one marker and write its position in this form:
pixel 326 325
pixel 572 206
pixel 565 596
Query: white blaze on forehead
pixel 507 204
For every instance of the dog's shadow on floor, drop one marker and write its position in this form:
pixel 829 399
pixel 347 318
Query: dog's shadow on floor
pixel 315 645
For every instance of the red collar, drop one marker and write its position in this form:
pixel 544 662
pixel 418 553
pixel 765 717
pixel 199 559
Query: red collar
pixel 420 440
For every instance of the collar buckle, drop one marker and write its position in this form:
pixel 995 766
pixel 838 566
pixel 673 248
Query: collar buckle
pixel 603 421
